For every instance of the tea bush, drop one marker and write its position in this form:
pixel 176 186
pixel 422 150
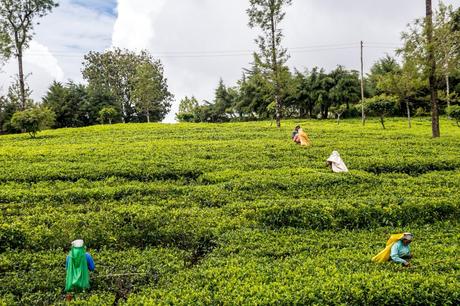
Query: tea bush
pixel 231 214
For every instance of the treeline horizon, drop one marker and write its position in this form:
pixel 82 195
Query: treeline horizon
pixel 313 94
pixel 126 86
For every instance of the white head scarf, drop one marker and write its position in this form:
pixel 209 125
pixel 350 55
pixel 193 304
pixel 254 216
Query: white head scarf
pixel 337 163
pixel 77 243
pixel 408 236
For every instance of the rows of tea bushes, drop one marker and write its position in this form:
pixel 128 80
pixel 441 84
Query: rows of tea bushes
pixel 231 213
pixel 305 267
pixel 255 266
pixel 119 225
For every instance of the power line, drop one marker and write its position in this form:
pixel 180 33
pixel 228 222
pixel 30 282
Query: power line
pixel 234 53
pixel 225 51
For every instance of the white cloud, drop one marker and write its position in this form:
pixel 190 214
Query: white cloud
pixel 134 27
pixel 46 62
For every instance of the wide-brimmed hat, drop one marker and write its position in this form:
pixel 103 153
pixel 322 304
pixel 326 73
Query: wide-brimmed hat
pixel 77 243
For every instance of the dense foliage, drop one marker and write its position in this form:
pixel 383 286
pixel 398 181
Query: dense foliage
pixel 231 213
pixel 135 81
pixel 33 120
pixel 453 112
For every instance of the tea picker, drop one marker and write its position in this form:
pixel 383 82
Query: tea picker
pixel 336 163
pixel 299 136
pixel 397 250
pixel 78 264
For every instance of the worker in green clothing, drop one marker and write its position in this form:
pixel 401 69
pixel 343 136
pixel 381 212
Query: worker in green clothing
pixel 400 251
pixel 78 265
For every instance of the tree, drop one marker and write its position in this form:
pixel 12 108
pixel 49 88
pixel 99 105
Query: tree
pixel 339 110
pixel 346 87
pixel 150 91
pixel 187 110
pixel 253 95
pixel 222 101
pixel 302 91
pixel 11 104
pixel 314 90
pixel 380 69
pixel 447 41
pixel 453 111
pixel 76 105
pixel 381 106
pixel 67 102
pixel 15 93
pixel 95 101
pixel 325 84
pixel 7 109
pixel 5 50
pixel 405 83
pixel 116 72
pixel 33 120
pixel 421 46
pixel 267 15
pixel 107 114
pixel 17 19
pixel 3 113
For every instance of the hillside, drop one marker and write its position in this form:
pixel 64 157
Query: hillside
pixel 231 213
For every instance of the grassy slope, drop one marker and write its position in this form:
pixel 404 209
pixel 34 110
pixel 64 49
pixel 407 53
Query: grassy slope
pixel 232 213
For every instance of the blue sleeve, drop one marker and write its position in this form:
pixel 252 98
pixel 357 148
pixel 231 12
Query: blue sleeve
pixel 67 261
pixel 395 254
pixel 90 261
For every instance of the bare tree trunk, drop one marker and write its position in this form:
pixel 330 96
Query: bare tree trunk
pixel 278 113
pixel 275 73
pixel 22 90
pixel 432 74
pixel 408 114
pixel 148 116
pixel 363 116
pixel 123 110
pixel 382 121
pixel 21 81
pixel 448 90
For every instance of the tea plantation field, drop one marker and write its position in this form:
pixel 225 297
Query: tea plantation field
pixel 231 214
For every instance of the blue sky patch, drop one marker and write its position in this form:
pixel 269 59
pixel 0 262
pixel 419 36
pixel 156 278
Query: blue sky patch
pixel 107 7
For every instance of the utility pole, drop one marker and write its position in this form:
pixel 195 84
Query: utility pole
pixel 362 85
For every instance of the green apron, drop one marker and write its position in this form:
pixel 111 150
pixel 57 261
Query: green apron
pixel 77 277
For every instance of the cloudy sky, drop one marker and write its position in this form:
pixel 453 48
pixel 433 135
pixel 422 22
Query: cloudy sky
pixel 200 41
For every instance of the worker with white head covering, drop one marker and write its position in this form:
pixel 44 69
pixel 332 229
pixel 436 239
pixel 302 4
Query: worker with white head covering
pixel 336 163
pixel 400 251
pixel 78 264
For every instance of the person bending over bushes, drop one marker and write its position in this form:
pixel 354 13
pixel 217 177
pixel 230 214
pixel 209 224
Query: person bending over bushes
pixel 335 163
pixel 295 134
pixel 300 137
pixel 78 264
pixel 397 250
pixel 400 250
